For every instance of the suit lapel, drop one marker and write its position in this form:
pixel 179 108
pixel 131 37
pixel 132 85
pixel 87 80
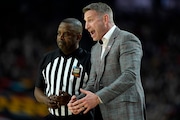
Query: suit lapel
pixel 110 43
pixel 101 63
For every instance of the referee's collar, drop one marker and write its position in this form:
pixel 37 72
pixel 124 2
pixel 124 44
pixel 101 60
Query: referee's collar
pixel 73 54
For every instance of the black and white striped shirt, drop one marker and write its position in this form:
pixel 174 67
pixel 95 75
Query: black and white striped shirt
pixel 56 73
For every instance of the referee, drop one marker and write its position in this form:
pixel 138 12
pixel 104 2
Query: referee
pixel 62 72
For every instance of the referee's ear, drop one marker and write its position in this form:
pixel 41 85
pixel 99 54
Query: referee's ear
pixel 79 37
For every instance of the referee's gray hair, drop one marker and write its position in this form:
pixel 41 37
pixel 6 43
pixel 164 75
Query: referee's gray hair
pixel 75 22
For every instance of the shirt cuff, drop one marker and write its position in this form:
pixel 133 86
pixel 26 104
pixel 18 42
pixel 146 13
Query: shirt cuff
pixel 100 99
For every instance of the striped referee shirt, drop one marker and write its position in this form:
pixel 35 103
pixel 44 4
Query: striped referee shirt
pixel 67 73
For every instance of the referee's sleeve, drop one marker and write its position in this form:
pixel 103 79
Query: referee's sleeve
pixel 40 83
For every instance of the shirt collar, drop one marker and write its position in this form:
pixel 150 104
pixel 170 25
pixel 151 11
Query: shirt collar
pixel 107 36
pixel 73 54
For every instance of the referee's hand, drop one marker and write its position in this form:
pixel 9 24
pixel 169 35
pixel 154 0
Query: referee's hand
pixel 52 101
pixel 63 98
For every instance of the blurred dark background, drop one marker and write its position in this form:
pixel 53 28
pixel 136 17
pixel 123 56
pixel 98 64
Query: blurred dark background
pixel 28 30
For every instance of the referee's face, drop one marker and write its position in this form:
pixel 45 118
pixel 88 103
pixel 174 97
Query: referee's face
pixel 67 38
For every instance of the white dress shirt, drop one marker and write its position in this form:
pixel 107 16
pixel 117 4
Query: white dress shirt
pixel 106 38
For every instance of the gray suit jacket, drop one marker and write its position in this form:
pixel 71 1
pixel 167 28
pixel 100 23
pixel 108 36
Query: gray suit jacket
pixel 118 77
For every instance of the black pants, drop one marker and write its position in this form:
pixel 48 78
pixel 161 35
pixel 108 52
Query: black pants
pixel 87 116
pixel 97 113
pixel 98 116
